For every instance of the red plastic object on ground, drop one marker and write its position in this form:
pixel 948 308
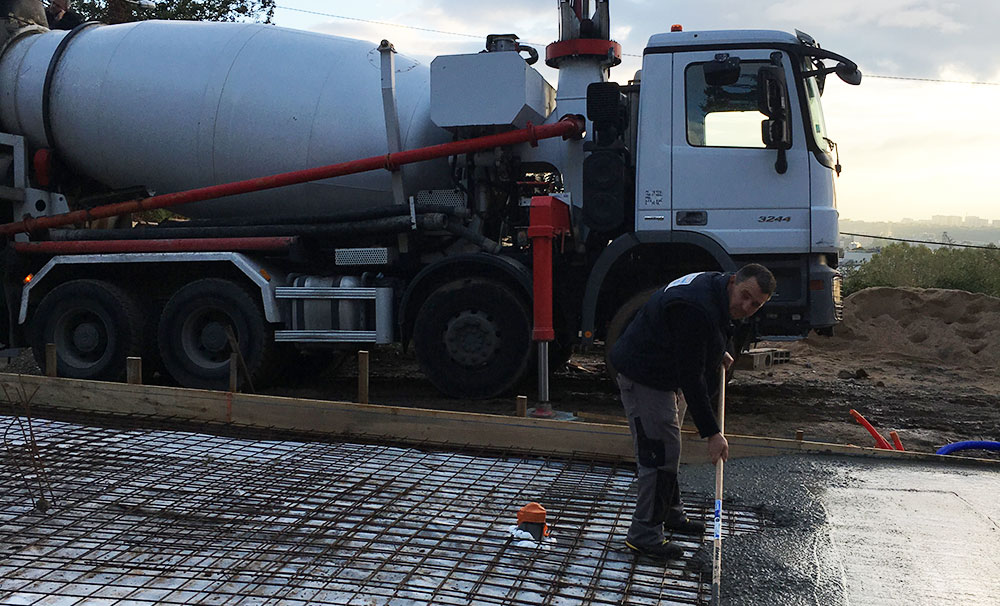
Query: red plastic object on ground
pixel 533 513
pixel 895 440
pixel 880 442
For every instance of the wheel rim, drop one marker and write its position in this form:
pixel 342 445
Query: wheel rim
pixel 81 337
pixel 471 338
pixel 203 337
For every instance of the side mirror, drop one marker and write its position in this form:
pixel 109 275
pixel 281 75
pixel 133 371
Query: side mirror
pixel 850 75
pixel 772 100
pixel 776 131
pixel 724 71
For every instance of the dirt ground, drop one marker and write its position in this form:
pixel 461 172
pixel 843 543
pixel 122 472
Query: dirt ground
pixel 921 362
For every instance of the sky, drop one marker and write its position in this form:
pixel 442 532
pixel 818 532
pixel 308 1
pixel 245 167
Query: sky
pixel 910 148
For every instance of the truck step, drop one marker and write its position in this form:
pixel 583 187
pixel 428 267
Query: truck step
pixel 326 336
pixel 337 314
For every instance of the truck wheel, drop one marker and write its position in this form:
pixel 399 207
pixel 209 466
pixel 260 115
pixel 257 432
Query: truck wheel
pixel 619 322
pixel 192 333
pixel 473 338
pixel 95 325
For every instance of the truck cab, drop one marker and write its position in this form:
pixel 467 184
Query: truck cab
pixel 733 164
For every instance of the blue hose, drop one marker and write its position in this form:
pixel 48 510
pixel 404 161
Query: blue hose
pixel 969 445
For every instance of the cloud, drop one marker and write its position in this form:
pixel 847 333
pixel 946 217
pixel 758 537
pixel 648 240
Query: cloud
pixel 911 14
pixel 910 147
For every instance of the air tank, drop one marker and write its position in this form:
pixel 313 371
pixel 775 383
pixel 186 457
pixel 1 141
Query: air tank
pixel 178 105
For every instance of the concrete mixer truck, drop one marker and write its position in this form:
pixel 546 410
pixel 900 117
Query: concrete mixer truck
pixel 330 193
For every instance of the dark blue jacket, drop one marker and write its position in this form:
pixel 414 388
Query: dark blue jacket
pixel 677 341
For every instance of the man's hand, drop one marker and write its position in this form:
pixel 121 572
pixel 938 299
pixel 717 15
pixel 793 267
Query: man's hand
pixel 718 448
pixel 727 360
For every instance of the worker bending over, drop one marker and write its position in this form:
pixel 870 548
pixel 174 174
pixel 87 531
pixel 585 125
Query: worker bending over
pixel 672 352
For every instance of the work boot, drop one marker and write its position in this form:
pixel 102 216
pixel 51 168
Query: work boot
pixel 684 525
pixel 664 551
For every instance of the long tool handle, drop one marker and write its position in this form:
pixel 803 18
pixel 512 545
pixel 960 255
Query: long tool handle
pixel 717 532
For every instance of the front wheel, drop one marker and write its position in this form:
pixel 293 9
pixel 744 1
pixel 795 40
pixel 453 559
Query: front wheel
pixel 472 338
pixel 619 322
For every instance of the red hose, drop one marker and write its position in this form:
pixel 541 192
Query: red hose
pixel 880 442
pixel 568 127
pixel 159 245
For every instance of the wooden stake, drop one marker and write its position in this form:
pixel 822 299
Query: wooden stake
pixel 522 406
pixel 234 372
pixel 363 377
pixel 51 360
pixel 133 371
pixel 717 530
pixel 234 347
pixel 800 435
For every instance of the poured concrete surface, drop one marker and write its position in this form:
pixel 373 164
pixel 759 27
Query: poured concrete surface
pixel 926 534
pixel 858 531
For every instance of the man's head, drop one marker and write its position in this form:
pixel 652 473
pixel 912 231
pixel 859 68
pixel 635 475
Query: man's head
pixel 58 7
pixel 749 289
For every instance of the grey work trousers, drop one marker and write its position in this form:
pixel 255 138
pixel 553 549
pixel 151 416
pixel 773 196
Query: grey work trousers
pixel 654 418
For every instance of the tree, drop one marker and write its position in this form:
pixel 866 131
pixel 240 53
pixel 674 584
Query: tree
pixel 123 11
pixel 899 264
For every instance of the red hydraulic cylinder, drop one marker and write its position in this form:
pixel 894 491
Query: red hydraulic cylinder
pixel 549 218
pixel 568 127
pixel 159 245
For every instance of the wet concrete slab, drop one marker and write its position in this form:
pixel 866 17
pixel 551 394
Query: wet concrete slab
pixel 856 531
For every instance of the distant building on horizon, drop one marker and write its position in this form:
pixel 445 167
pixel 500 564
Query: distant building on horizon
pixel 950 220
pixel 973 221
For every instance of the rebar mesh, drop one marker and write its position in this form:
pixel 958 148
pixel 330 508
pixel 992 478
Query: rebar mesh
pixel 151 516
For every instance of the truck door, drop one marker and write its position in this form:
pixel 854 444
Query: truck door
pixel 724 182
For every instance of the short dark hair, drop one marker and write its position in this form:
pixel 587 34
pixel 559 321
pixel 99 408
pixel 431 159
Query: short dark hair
pixel 765 279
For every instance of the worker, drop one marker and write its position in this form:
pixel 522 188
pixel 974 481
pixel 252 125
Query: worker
pixel 670 354
pixel 61 16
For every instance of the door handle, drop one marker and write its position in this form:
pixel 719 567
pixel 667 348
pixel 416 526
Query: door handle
pixel 692 217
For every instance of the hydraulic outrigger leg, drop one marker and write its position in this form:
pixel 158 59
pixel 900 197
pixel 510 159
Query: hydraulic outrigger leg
pixel 549 218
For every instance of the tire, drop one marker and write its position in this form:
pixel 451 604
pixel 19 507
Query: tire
pixel 192 333
pixel 472 338
pixel 619 322
pixel 95 326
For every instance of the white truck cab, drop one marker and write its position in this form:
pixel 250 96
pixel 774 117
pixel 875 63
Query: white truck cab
pixel 731 148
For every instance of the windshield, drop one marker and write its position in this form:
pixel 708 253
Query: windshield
pixel 817 124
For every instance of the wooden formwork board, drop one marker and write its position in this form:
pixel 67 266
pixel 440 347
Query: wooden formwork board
pixel 407 425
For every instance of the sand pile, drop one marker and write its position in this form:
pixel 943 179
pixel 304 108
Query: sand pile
pixel 952 326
